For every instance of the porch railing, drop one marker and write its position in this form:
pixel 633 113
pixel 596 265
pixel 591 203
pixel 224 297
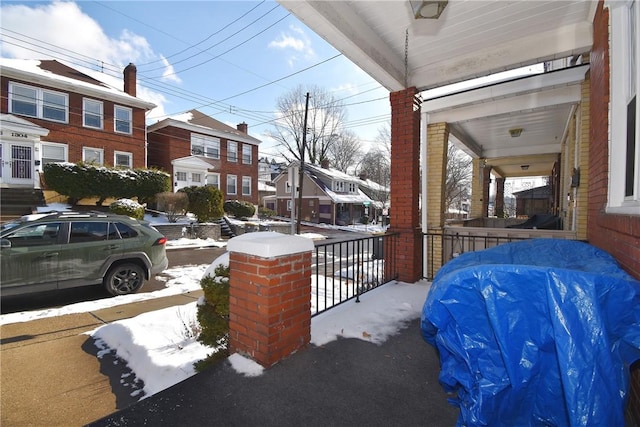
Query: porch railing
pixel 441 246
pixel 341 271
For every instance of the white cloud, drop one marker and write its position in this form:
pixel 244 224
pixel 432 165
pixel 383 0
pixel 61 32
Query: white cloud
pixel 51 31
pixel 295 39
pixel 169 74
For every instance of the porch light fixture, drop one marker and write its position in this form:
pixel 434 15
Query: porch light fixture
pixel 524 167
pixel 423 9
pixel 515 132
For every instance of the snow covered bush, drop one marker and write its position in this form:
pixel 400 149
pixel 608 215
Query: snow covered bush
pixel 239 208
pixel 213 316
pixel 127 207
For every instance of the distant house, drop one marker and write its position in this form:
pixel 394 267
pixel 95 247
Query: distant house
pixel 328 196
pixel 533 201
pixel 199 150
pixel 54 113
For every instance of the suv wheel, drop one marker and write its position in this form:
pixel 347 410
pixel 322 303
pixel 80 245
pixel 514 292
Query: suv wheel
pixel 124 279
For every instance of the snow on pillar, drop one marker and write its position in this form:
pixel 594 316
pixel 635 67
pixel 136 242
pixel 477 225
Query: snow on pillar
pixel 269 295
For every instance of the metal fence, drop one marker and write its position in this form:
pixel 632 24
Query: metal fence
pixel 341 271
pixel 440 247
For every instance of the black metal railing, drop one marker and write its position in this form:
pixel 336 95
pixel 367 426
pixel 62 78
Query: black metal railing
pixel 341 271
pixel 441 246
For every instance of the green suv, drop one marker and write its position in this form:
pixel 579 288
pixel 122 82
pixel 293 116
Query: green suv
pixel 59 250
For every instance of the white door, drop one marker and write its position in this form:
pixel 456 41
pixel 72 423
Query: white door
pixel 17 163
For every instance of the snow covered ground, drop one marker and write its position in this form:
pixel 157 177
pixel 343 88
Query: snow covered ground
pixel 160 347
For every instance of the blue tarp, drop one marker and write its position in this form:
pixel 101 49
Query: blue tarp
pixel 538 332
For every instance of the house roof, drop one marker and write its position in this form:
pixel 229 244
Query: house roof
pixel 18 124
pixel 196 121
pixel 54 74
pixel 534 193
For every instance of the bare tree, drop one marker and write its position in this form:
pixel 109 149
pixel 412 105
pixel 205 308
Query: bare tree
pixel 376 165
pixel 345 151
pixel 457 186
pixel 325 116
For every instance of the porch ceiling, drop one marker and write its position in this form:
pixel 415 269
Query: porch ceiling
pixel 470 39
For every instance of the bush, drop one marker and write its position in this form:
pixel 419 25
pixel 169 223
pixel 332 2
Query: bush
pixel 174 205
pixel 265 212
pixel 204 202
pixel 127 207
pixel 239 208
pixel 213 316
pixel 82 180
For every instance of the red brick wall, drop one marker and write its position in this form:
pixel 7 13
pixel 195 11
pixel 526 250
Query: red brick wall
pixel 269 306
pixel 405 183
pixel 76 136
pixel 617 234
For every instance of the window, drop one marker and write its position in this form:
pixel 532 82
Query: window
pixel 203 145
pixel 624 152
pixel 126 232
pixel 37 102
pixel 196 177
pixel 54 153
pixel 246 185
pixel 232 151
pixel 287 187
pixel 181 176
pixel 88 231
pixel 92 113
pixel 214 180
pixel 35 235
pixel 338 186
pixel 122 119
pixel 288 205
pixel 123 159
pixel 93 155
pixel 232 184
pixel 246 154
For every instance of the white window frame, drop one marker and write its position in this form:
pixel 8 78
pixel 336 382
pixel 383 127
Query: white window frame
pixel 246 183
pixel 116 120
pixel 205 145
pixel 622 81
pixel 232 158
pixel 231 178
pixel 97 150
pixel 217 179
pixel 123 153
pixel 65 151
pixel 196 177
pixel 247 154
pixel 288 205
pixel 287 187
pixel 181 176
pixel 39 102
pixel 86 112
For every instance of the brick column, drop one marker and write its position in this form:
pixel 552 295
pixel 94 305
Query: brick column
pixel 269 295
pixel 499 207
pixel 405 183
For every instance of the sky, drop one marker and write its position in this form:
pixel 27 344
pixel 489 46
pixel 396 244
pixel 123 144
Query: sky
pixel 160 351
pixel 231 60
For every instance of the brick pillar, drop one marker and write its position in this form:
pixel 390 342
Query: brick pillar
pixel 499 208
pixel 269 295
pixel 405 183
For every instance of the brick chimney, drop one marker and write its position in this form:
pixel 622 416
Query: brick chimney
pixel 130 79
pixel 243 127
pixel 324 163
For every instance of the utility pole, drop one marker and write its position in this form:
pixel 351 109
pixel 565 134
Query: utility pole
pixel 301 178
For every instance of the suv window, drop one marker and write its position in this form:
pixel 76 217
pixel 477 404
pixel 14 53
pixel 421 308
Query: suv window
pixel 88 231
pixel 35 235
pixel 126 232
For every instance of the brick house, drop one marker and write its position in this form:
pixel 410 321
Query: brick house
pixel 590 151
pixel 199 150
pixel 329 196
pixel 54 113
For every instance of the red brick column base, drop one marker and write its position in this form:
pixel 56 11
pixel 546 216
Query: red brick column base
pixel 269 296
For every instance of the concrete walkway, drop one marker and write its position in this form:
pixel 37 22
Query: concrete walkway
pixel 50 375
